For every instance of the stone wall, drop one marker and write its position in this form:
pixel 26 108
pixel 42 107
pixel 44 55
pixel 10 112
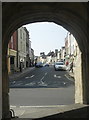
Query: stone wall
pixel 72 16
pixel 0 60
pixel 78 80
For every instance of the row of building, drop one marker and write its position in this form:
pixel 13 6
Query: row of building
pixel 20 53
pixel 68 53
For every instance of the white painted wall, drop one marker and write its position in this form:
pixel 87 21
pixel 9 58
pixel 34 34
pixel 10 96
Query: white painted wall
pixel 62 53
pixel 0 60
pixel 48 59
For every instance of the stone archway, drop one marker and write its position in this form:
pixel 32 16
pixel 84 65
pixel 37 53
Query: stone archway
pixel 72 16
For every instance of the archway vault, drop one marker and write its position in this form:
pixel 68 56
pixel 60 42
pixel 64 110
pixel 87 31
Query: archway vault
pixel 71 16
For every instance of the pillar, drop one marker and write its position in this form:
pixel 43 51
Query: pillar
pixel 8 64
pixel 85 75
pixel 5 86
pixel 78 80
pixel 0 60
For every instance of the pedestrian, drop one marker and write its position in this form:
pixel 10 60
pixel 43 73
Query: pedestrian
pixel 20 66
pixel 35 64
pixel 71 66
pixel 67 63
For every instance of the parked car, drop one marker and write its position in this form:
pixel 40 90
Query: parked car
pixel 59 66
pixel 46 64
pixel 39 64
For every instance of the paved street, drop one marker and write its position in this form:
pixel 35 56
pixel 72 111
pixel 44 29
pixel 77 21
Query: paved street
pixel 45 77
pixel 41 96
pixel 41 88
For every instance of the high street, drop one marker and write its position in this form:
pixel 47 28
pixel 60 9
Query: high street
pixel 44 77
pixel 42 86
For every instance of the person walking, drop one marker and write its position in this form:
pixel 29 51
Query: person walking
pixel 71 67
pixel 35 64
pixel 67 63
pixel 20 66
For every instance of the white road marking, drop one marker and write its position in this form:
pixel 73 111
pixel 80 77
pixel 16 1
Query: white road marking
pixel 41 81
pixel 14 82
pixel 41 106
pixel 29 77
pixel 12 106
pixel 54 75
pixel 68 78
pixel 57 76
pixel 64 83
pixel 32 76
pixel 26 77
pixel 42 78
pixel 22 112
pixel 30 84
pixel 46 73
pixel 45 106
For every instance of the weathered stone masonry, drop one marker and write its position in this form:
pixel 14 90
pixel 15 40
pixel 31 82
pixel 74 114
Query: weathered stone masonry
pixel 72 16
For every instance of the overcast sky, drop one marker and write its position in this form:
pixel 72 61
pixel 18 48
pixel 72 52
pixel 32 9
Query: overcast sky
pixel 46 36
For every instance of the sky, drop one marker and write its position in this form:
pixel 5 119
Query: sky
pixel 46 37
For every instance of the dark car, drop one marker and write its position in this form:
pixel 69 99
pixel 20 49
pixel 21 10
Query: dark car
pixel 46 64
pixel 39 64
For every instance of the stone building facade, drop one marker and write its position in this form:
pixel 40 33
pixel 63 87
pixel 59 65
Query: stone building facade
pixel 27 47
pixel 32 57
pixel 22 47
pixel 12 53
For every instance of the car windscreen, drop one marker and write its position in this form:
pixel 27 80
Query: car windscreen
pixel 59 63
pixel 39 63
